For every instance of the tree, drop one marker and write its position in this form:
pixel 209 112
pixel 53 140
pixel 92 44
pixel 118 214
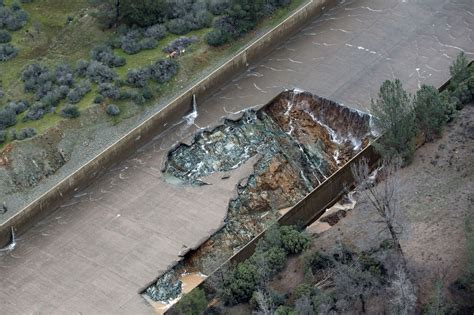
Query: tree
pixel 394 116
pixel 437 304
pixel 459 70
pixel 383 197
pixel 429 111
pixel 193 303
pixel 108 12
pixel 403 297
pixel 143 12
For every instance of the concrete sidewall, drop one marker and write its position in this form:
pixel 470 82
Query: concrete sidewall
pixel 139 136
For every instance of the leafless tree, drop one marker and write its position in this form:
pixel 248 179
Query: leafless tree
pixel 383 197
pixel 264 299
pixel 353 284
pixel 303 306
pixel 402 291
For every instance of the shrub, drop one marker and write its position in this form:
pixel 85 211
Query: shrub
pixel 179 26
pixel 99 99
pixel 7 52
pixel 459 70
pixel 3 136
pixel 219 7
pixel 241 284
pixel 81 67
pixel 5 37
pixel 13 18
pixel 144 13
pixel 179 44
pixel 462 93
pixel 137 77
pixel 109 90
pixel 77 94
pixel 100 73
pixel 131 46
pixel 393 112
pixel 429 111
pixel 37 111
pixel 112 110
pixel 156 32
pixel 199 19
pixel 148 43
pixel 217 37
pixel 104 54
pixel 24 133
pixel 449 105
pixel 18 107
pixel 316 261
pixel 70 111
pixel 193 303
pixel 163 70
pixel 64 75
pixel 293 241
pixel 7 118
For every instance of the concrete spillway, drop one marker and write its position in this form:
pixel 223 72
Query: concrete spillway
pixel 102 246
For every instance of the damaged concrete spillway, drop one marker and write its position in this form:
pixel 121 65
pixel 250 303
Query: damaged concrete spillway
pixel 294 143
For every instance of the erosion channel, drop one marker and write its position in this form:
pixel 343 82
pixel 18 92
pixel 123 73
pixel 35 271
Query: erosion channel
pixel 294 143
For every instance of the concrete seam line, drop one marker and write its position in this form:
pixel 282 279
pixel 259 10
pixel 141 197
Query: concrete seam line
pixel 242 51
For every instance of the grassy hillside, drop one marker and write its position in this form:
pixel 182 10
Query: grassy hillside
pixel 65 32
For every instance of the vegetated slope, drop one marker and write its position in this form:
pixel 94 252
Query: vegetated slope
pixel 56 36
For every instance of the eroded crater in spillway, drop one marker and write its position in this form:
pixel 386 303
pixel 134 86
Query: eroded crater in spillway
pixel 295 142
pixel 299 139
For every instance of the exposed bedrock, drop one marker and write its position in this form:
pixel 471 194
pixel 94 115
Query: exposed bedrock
pixel 297 140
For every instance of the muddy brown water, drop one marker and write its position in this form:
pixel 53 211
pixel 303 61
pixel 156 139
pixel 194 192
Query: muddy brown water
pixel 101 247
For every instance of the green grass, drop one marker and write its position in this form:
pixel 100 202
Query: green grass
pixel 48 39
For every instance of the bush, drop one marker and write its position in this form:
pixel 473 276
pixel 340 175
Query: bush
pixel 18 107
pixel 163 70
pixel 7 52
pixel 241 284
pixel 144 13
pixel 24 133
pixel 64 75
pixel 70 111
pixel 156 32
pixel 179 44
pixel 37 111
pixel 99 99
pixel 3 136
pixel 219 7
pixel 100 73
pixel 316 261
pixel 293 241
pixel 394 116
pixel 193 303
pixel 104 54
pixel 77 94
pixel 217 37
pixel 179 26
pixel 137 77
pixel 462 93
pixel 13 18
pixel 199 19
pixel 112 110
pixel 5 37
pixel 148 43
pixel 7 118
pixel 109 90
pixel 131 46
pixel 459 70
pixel 429 111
